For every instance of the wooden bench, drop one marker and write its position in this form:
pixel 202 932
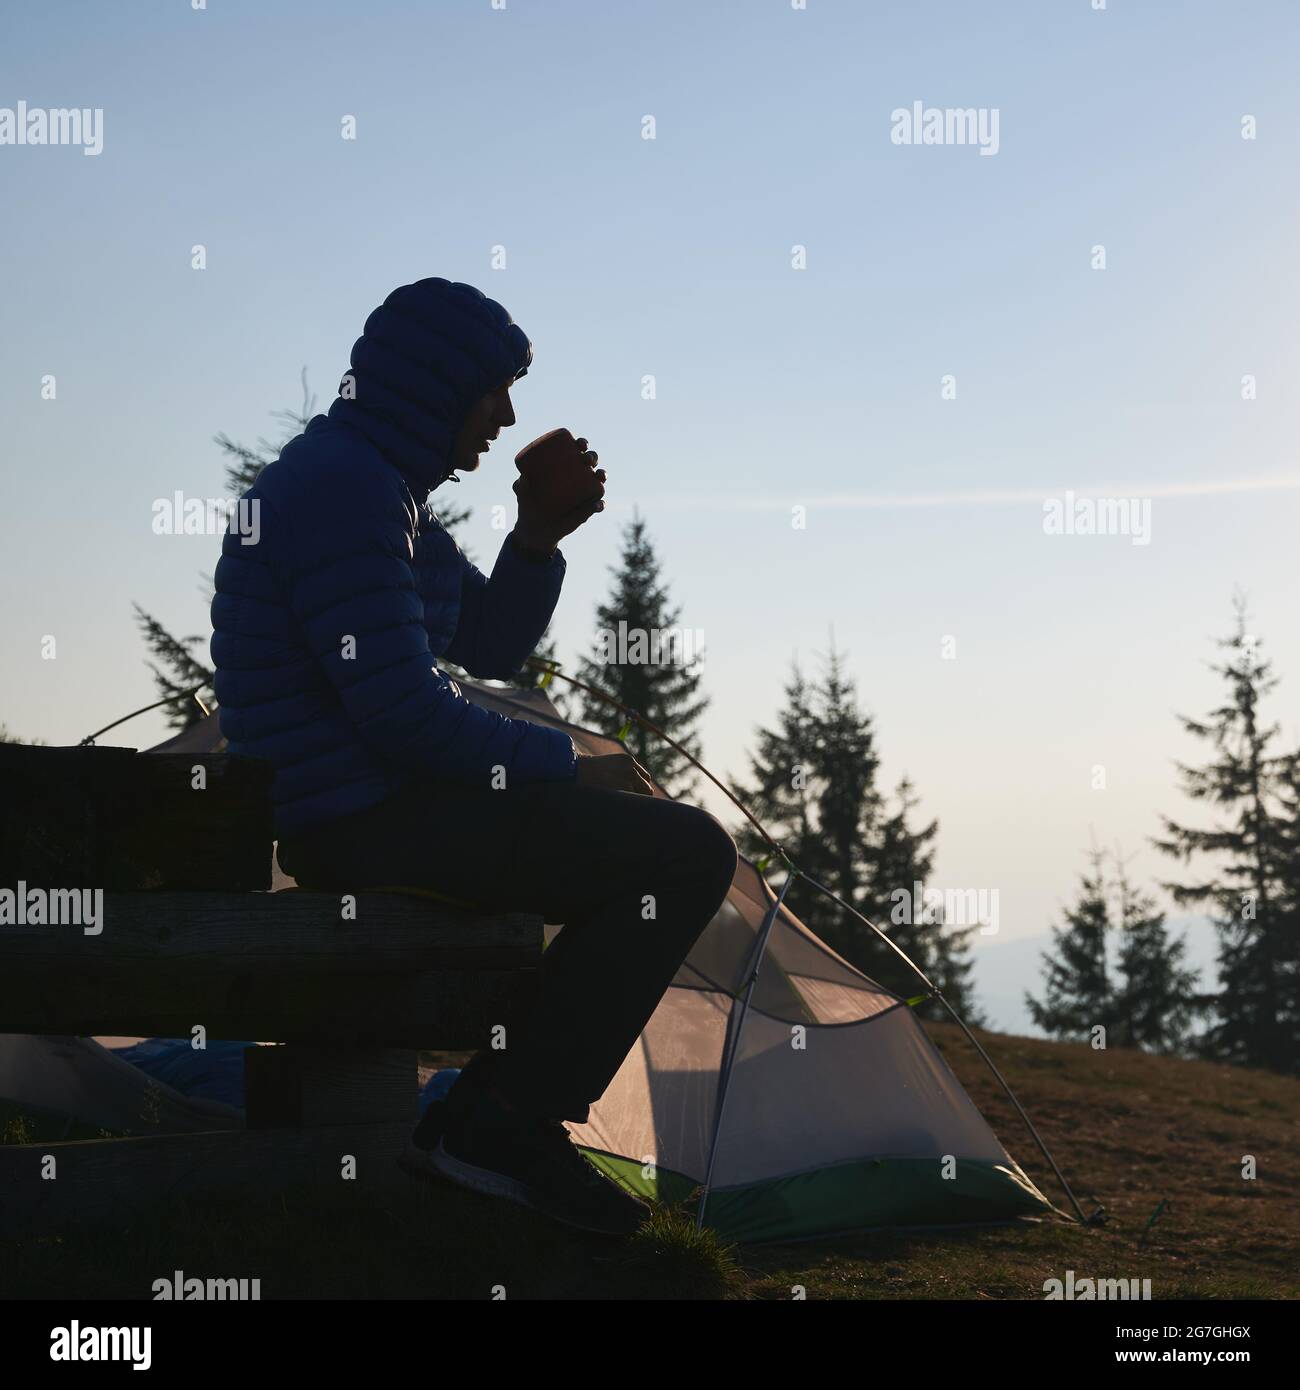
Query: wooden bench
pixel 352 1000
pixel 282 966
pixel 350 996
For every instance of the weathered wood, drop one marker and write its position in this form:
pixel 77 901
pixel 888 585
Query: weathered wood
pixel 116 819
pixel 107 1182
pixel 449 1009
pixel 301 1086
pixel 384 931
pixel 279 966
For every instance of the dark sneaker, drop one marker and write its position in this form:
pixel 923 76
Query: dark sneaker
pixel 532 1162
pixel 464 1094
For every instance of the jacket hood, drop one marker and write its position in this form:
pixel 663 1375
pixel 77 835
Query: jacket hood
pixel 425 356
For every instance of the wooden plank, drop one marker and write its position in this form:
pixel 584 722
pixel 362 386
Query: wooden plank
pixel 447 1009
pixel 273 966
pixel 116 819
pixel 387 931
pixel 302 1085
pixel 113 1182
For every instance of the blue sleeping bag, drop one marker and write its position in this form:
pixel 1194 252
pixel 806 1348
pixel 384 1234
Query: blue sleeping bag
pixel 216 1072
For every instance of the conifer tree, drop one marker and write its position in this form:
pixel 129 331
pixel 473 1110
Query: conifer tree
pixel 637 659
pixel 244 461
pixel 783 772
pixel 845 765
pixel 557 690
pixel 1249 882
pixel 1139 989
pixel 176 668
pixel 813 785
pixel 530 678
pixel 1288 943
pixel 1077 995
pixel 1157 999
pixel 176 671
pixel 901 857
pixel 7 737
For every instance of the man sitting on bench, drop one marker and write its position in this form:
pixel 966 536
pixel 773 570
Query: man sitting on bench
pixel 326 636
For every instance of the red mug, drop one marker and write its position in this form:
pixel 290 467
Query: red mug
pixel 559 475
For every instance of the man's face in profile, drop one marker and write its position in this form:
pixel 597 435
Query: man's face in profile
pixel 488 416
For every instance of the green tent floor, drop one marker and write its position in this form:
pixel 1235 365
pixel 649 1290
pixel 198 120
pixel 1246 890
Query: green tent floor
pixel 866 1194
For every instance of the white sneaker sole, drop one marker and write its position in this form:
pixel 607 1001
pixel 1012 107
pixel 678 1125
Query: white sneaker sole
pixel 431 1163
pixel 439 1161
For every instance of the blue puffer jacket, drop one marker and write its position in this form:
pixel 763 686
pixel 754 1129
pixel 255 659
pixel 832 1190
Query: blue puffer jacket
pixel 326 629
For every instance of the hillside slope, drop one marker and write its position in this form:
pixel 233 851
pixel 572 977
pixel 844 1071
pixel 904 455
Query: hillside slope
pixel 1130 1131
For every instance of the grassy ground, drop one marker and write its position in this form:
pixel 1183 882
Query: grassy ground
pixel 1135 1134
pixel 1131 1132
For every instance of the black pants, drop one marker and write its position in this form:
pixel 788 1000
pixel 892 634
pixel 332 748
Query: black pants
pixel 634 880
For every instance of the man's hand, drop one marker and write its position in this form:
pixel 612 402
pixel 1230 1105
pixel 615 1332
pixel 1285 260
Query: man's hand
pixel 537 533
pixel 615 772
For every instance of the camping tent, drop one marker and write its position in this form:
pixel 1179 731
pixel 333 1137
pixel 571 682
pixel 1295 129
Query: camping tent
pixel 811 1103
pixel 822 1106
pixel 79 1080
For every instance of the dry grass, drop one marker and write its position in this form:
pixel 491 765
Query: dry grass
pixel 1130 1131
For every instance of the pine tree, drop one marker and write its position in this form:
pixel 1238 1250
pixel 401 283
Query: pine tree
pixel 529 677
pixel 1145 996
pixel 787 776
pixel 635 661
pixel 1156 997
pixel 813 785
pixel 1288 942
pixel 1077 993
pixel 557 690
pixel 453 518
pixel 7 737
pixel 901 857
pixel 176 669
pixel 847 801
pixel 1250 887
pixel 244 462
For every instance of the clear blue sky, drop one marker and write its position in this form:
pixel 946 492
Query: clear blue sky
pixel 521 127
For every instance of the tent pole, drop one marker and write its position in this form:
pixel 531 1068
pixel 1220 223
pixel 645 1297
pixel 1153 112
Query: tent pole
pixel 1002 1081
pixel 144 709
pixel 724 1079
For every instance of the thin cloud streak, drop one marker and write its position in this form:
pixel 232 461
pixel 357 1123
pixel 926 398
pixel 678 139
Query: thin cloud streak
pixel 984 498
